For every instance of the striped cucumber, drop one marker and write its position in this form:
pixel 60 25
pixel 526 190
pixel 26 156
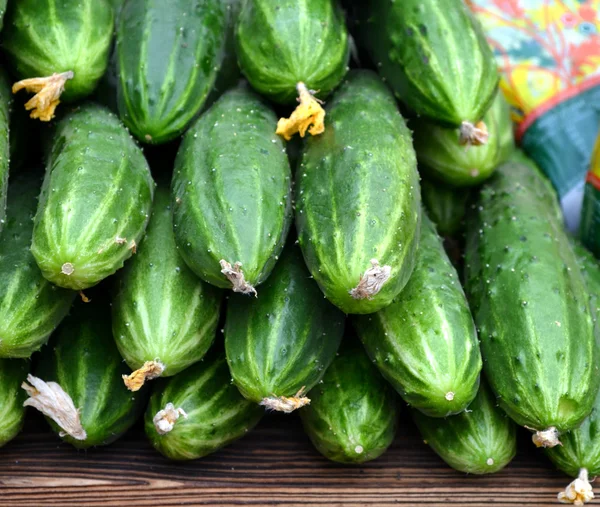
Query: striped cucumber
pixel 95 201
pixel 579 454
pixel 279 346
pixel 5 144
pixel 162 332
pixel 169 54
pixel 358 202
pixel 425 343
pixel 231 189
pixel 353 413
pixel 446 206
pixel 443 159
pixel 435 57
pixel 12 373
pixel 78 385
pixel 30 306
pixel 199 411
pixel 531 306
pixel 481 440
pixel 59 50
pixel 287 49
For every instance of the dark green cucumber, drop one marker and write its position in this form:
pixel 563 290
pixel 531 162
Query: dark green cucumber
pixel 353 412
pixel 579 454
pixel 30 306
pixel 425 343
pixel 84 361
pixel 95 201
pixel 168 55
pixel 531 306
pixel 12 373
pixel 46 37
pixel 172 327
pixel 445 160
pixel 231 189
pixel 446 206
pixel 280 44
pixel 279 346
pixel 358 202
pixel 434 56
pixel 5 151
pixel 199 411
pixel 481 440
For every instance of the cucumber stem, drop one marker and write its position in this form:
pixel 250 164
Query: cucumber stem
pixel 284 403
pixel 148 371
pixel 165 419
pixel 309 113
pixel 579 491
pixel 52 401
pixel 236 276
pixel 546 438
pixel 474 135
pixel 371 281
pixel 47 93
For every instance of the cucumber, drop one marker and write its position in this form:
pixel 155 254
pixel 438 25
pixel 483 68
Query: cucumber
pixel 30 306
pixel 59 50
pixel 425 343
pixel 279 346
pixel 168 56
pixel 162 332
pixel 481 440
pixel 443 159
pixel 435 57
pixel 358 201
pixel 12 373
pixel 77 383
pixel 353 413
pixel 288 48
pixel 231 188
pixel 579 454
pixel 5 144
pixel 95 201
pixel 198 411
pixel 446 206
pixel 531 306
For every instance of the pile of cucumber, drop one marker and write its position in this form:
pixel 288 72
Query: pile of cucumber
pixel 169 247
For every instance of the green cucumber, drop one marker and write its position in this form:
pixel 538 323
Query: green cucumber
pixel 30 306
pixel 59 49
pixel 231 189
pixel 12 373
pixel 5 143
pixel 95 201
pixel 446 206
pixel 279 346
pixel 198 411
pixel 353 413
pixel 300 41
pixel 481 440
pixel 358 201
pixel 443 159
pixel 162 332
pixel 531 305
pixel 579 454
pixel 303 49
pixel 168 56
pixel 83 363
pixel 435 57
pixel 425 343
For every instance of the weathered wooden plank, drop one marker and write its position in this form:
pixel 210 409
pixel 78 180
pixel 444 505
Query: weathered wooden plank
pixel 274 465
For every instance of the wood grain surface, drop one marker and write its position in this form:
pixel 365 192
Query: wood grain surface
pixel 273 465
